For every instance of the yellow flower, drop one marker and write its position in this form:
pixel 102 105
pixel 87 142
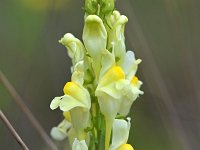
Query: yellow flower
pixel 95 39
pixel 116 39
pixel 117 90
pixel 109 89
pixel 132 91
pixel 120 133
pixel 77 101
pixel 109 96
pixel 94 35
pixel 130 65
pixel 76 50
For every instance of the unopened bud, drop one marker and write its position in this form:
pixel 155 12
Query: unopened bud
pixel 107 6
pixel 91 6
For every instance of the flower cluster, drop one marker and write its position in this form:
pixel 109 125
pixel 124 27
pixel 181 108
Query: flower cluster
pixel 103 85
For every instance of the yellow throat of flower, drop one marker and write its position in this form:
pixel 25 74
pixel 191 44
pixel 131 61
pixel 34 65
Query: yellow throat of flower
pixel 70 88
pixel 67 116
pixel 125 147
pixel 115 73
pixel 134 80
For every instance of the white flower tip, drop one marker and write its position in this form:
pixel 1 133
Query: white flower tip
pixel 93 18
pixel 123 19
pixel 141 92
pixel 66 38
pixel 116 13
pixel 58 134
pixel 130 54
pixel 55 103
pixel 129 119
pixel 79 145
pixel 138 61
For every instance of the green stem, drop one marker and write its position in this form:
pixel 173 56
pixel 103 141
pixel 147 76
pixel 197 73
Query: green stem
pixel 98 10
pixel 95 122
pixel 108 132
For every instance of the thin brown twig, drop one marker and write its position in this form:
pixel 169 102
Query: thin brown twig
pixel 27 112
pixel 12 131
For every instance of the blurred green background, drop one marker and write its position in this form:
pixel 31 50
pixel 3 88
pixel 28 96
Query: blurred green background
pixel 165 34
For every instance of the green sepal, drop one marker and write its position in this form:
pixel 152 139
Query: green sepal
pixel 91 6
pixel 107 6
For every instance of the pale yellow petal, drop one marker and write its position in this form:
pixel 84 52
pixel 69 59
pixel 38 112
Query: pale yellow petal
pixel 79 145
pixel 55 102
pixel 74 46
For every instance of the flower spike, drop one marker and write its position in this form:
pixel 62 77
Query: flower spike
pixel 103 84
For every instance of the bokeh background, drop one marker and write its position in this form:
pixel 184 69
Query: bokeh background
pixel 165 34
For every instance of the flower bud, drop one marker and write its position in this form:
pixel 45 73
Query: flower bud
pixel 95 39
pixel 74 46
pixel 91 6
pixel 107 6
pixel 116 39
pixel 94 35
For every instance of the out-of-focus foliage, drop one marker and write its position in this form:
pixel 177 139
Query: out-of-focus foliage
pixel 38 5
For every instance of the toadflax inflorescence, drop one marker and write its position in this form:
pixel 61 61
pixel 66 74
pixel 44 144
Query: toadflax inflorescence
pixel 103 84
